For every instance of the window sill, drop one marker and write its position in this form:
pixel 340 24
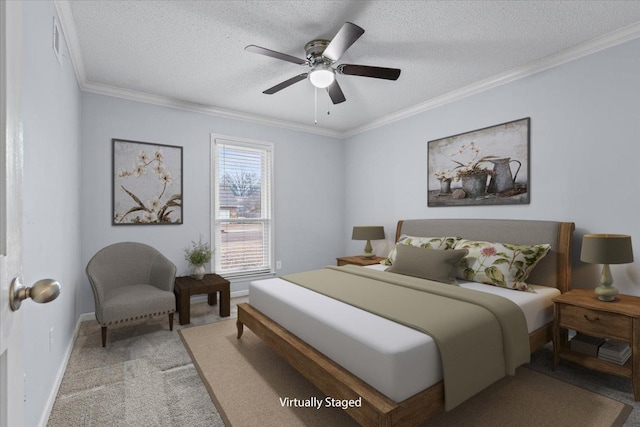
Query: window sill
pixel 239 277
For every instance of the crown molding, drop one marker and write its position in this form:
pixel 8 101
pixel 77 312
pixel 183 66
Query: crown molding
pixel 70 35
pixel 578 51
pixel 163 101
pixel 589 47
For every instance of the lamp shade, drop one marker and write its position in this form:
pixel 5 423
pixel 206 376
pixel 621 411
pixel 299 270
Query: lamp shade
pixel 367 232
pixel 606 249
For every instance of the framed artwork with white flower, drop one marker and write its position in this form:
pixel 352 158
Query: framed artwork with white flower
pixel 147 183
pixel 488 166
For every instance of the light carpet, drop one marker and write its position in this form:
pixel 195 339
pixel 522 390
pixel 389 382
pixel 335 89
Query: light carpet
pixel 247 381
pixel 144 377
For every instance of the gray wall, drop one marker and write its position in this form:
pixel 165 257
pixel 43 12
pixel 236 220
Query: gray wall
pixel 584 152
pixel 52 164
pixel 308 184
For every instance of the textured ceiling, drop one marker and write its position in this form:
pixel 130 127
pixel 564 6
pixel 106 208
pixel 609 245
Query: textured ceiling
pixel 191 53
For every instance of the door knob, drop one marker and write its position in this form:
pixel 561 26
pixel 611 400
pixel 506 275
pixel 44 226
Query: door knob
pixel 45 290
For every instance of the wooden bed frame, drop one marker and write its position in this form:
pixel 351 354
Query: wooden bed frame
pixel 377 409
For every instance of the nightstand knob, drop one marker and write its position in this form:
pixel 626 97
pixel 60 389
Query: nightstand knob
pixel 595 319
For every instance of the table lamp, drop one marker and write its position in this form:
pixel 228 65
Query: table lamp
pixel 606 249
pixel 368 233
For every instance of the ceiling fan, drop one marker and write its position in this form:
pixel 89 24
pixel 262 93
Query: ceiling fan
pixel 321 56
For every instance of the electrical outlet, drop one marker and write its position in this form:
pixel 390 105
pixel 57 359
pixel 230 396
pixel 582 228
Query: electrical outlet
pixel 51 339
pixel 278 265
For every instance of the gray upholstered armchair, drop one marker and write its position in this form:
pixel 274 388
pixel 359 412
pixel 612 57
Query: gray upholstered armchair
pixel 131 281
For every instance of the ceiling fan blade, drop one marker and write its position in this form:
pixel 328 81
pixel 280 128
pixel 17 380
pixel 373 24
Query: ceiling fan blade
pixel 347 35
pixel 285 84
pixel 367 71
pixel 335 93
pixel 274 54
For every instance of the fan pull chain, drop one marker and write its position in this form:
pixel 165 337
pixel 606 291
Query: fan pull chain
pixel 315 106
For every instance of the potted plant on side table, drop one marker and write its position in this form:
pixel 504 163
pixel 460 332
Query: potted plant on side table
pixel 198 255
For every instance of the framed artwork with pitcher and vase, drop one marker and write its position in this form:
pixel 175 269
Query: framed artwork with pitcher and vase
pixel 488 166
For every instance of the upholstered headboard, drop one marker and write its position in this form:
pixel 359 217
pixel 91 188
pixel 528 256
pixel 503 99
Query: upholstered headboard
pixel 554 270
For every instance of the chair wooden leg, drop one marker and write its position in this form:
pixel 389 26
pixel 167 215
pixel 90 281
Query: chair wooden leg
pixel 104 336
pixel 171 321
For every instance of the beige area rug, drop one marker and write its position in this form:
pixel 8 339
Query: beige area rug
pixel 247 380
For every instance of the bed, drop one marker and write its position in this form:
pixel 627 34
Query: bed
pixel 410 407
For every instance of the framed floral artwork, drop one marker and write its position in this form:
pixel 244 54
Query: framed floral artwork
pixel 147 183
pixel 488 166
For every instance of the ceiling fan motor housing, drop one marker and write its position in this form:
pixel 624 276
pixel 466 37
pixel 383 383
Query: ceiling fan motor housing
pixel 314 50
pixel 321 74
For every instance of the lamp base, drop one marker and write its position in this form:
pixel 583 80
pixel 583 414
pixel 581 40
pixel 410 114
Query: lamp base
pixel 606 293
pixel 368 251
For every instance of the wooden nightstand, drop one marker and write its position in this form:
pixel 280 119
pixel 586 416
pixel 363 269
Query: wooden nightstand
pixel 358 260
pixel 619 320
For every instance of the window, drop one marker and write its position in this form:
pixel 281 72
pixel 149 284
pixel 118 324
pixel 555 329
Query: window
pixel 242 193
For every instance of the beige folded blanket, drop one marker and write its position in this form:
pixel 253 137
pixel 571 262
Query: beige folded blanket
pixel 481 337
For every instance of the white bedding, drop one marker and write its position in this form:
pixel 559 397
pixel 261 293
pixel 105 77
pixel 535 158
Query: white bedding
pixel 396 360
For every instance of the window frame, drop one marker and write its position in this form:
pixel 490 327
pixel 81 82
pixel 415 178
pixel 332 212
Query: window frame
pixel 264 146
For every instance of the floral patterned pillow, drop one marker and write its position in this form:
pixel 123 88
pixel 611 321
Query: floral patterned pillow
pixel 499 264
pixel 422 242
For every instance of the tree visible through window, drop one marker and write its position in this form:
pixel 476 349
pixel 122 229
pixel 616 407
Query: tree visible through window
pixel 242 206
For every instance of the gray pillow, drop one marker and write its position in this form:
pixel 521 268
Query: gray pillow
pixel 432 264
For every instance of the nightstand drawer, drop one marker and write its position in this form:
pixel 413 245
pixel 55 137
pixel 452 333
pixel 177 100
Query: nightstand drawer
pixel 597 323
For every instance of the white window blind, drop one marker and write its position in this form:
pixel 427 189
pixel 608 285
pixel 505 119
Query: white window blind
pixel 242 192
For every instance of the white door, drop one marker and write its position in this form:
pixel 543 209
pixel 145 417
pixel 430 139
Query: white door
pixel 11 369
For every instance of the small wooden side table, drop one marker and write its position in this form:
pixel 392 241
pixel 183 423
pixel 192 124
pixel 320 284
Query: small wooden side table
pixel 211 284
pixel 358 260
pixel 619 320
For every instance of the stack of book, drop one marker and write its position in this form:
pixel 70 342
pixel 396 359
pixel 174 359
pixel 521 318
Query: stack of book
pixel 586 344
pixel 614 352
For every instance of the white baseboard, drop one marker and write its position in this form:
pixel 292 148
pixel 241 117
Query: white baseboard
pixel 83 317
pixel 63 368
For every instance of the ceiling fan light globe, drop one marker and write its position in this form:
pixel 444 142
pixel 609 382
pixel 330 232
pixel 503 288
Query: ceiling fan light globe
pixel 322 77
